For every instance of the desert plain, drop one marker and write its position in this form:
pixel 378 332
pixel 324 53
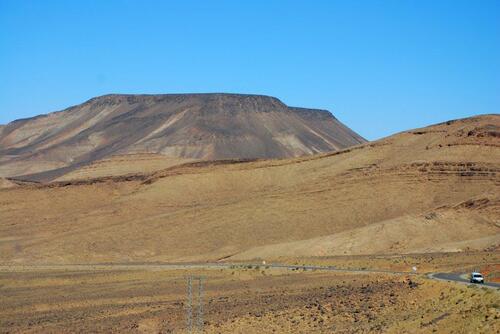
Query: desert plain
pixel 242 298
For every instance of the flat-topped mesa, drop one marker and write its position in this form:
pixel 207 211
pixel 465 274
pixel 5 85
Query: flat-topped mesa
pixel 195 126
pixel 211 102
pixel 179 98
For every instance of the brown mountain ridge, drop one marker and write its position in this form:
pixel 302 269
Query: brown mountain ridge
pixel 186 126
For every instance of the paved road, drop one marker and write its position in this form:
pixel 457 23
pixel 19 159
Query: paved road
pixel 127 266
pixel 453 277
pixel 173 266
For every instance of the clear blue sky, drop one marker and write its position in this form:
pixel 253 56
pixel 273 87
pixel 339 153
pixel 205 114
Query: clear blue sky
pixel 379 66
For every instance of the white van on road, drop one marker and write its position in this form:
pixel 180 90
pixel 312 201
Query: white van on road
pixel 476 277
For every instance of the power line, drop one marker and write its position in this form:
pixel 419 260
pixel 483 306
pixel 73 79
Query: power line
pixel 189 308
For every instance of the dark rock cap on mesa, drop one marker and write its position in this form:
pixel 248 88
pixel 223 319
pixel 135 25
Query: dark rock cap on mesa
pixel 199 126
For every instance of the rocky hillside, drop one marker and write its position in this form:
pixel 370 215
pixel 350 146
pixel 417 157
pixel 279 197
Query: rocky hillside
pixel 424 190
pixel 193 126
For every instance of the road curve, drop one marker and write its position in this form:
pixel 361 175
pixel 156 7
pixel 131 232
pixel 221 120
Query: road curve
pixel 450 277
pixel 454 277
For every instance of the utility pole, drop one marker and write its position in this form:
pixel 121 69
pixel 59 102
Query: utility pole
pixel 200 304
pixel 189 309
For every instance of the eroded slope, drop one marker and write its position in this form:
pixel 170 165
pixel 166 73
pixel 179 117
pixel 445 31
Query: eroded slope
pixel 192 126
pixel 216 210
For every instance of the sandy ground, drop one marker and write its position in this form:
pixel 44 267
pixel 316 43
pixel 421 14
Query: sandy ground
pixel 243 300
